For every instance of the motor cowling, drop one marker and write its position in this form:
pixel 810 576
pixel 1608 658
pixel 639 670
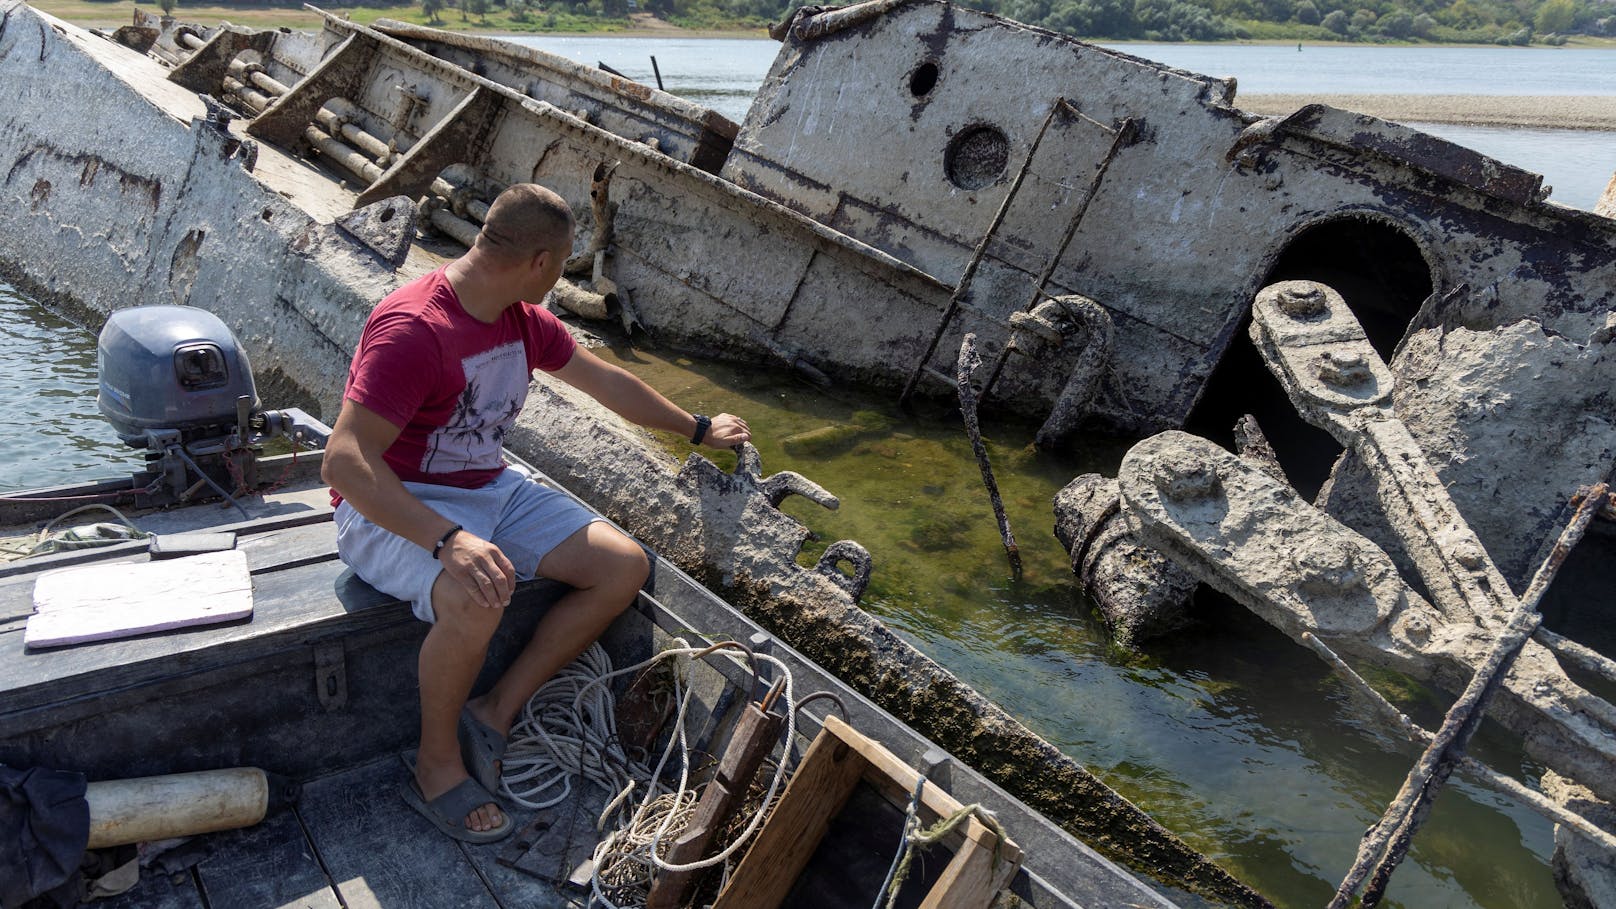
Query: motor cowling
pixel 173 368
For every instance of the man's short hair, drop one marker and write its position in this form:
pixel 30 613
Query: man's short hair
pixel 525 220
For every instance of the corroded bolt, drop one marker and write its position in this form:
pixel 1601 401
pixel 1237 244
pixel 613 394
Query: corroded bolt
pixel 1344 368
pixel 1186 478
pixel 1469 555
pixel 1417 629
pixel 1300 302
pixel 1329 566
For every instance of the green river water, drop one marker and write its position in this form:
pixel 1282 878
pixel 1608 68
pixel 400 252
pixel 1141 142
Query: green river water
pixel 1231 735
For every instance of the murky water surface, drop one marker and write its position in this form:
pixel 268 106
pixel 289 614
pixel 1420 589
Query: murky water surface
pixel 1231 735
pixel 50 430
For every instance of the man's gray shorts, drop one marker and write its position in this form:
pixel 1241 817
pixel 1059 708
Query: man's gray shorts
pixel 522 517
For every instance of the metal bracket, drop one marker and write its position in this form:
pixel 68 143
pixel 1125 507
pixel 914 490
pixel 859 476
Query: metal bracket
pixel 331 676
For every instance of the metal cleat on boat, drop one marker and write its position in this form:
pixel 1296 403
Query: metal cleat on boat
pixel 1255 539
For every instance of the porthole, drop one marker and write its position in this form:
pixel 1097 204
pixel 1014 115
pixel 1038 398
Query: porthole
pixel 976 157
pixel 923 79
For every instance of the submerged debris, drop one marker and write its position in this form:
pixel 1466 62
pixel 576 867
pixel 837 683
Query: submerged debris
pixel 1140 593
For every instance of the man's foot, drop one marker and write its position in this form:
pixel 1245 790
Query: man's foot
pixel 433 783
pixel 453 811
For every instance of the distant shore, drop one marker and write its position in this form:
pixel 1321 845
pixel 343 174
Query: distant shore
pixel 1586 112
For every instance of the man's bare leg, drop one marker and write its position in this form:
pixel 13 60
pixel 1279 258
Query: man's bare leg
pixel 605 570
pixel 450 659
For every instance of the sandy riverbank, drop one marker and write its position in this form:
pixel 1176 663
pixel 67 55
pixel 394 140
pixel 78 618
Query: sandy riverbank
pixel 1592 112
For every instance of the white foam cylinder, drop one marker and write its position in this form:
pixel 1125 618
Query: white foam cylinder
pixel 180 804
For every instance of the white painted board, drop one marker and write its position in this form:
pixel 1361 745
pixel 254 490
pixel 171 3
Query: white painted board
pixel 99 602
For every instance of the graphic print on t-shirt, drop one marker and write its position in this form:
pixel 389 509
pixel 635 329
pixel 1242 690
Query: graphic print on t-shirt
pixel 496 386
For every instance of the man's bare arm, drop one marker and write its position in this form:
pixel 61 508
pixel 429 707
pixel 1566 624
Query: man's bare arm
pixel 354 467
pixel 628 396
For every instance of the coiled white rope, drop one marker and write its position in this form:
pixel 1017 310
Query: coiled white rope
pixel 569 728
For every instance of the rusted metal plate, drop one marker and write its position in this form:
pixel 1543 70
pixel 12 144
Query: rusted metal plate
pixel 1414 148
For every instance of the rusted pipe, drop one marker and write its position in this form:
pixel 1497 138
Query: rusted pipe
pixel 968 361
pixel 343 154
pixel 1471 767
pixel 1584 657
pixel 268 83
pixel 254 99
pixel 384 132
pixel 457 227
pixel 373 147
pixel 1388 842
pixel 254 73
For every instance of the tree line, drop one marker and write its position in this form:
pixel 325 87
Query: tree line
pixel 1506 22
pixel 1511 22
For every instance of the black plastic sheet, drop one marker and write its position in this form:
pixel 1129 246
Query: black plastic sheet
pixel 44 828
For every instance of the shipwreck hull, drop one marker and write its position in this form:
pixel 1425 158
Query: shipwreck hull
pixel 185 207
pixel 710 267
pixel 1186 222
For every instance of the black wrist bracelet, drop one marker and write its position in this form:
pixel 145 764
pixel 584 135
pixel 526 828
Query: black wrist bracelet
pixel 703 423
pixel 444 540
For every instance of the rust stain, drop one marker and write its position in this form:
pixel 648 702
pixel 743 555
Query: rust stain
pixel 631 89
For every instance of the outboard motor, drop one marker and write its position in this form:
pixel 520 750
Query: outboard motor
pixel 175 382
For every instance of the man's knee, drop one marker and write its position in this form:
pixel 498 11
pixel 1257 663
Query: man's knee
pixel 455 610
pixel 625 561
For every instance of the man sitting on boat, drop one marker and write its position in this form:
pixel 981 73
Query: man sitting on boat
pixel 429 513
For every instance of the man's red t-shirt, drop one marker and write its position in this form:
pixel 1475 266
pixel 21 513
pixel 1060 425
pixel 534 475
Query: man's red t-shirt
pixel 451 383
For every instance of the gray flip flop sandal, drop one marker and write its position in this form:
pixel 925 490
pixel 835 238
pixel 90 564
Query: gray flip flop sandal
pixel 448 811
pixel 481 748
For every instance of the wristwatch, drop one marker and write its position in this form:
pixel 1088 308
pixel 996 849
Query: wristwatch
pixel 703 423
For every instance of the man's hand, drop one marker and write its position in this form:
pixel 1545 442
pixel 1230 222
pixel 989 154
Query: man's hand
pixel 478 566
pixel 727 431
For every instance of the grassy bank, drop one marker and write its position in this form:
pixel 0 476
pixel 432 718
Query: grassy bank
pixel 498 21
pixel 103 14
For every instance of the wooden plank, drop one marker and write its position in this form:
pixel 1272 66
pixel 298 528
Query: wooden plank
pixel 99 602
pixel 518 886
pixel 896 780
pixel 971 879
pixel 823 781
pixel 267 866
pixel 298 600
pixel 836 762
pixel 379 851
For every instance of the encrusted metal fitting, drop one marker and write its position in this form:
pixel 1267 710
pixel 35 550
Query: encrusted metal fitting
pixel 1344 369
pixel 1301 302
pixel 1328 567
pixel 1186 478
pixel 1469 555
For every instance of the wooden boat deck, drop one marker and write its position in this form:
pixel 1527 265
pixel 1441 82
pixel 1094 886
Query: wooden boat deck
pixel 350 842
pixel 318 687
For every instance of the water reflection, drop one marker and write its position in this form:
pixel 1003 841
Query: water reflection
pixel 52 430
